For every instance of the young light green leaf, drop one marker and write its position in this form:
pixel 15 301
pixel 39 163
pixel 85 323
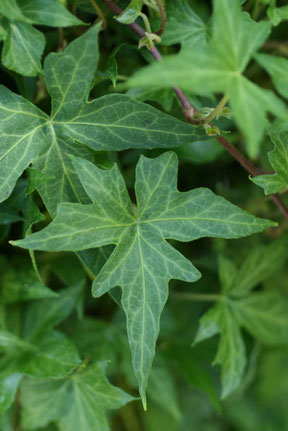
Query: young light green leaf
pixel 278 157
pixel 277 14
pixel 112 122
pixel 131 13
pixel 183 25
pixel 78 402
pixel 277 67
pixel 231 350
pixel 142 262
pixel 219 67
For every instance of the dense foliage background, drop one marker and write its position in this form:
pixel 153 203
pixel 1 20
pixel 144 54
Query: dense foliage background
pixel 65 359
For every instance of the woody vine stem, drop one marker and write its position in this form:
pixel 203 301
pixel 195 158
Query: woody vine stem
pixel 190 111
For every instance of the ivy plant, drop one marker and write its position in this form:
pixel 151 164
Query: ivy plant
pixel 143 215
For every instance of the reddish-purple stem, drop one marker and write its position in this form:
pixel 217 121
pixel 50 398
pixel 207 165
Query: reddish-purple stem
pixel 189 110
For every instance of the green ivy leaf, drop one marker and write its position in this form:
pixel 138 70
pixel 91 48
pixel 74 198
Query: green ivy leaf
pixel 11 10
pixel 8 388
pixel 53 13
pixel 142 262
pixel 259 265
pixel 219 68
pixel 21 38
pixel 183 25
pixel 112 122
pixel 278 158
pixel 277 67
pixel 277 14
pixel 131 13
pixel 48 313
pixel 263 314
pixel 77 403
pixel 20 283
pixel 51 354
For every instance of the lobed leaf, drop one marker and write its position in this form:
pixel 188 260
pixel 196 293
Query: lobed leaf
pixel 142 262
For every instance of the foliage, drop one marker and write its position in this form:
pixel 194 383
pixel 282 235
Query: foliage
pixel 112 177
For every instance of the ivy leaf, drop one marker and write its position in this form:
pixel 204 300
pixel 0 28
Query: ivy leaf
pixel 260 264
pixel 20 283
pixel 277 67
pixel 12 11
pixel 48 313
pixel 183 25
pixel 51 354
pixel 11 341
pixel 78 402
pixel 142 262
pixel 112 122
pixel 21 37
pixel 278 158
pixel 131 13
pixel 41 12
pixel 8 388
pixel 277 14
pixel 219 68
pixel 263 314
pixel 231 350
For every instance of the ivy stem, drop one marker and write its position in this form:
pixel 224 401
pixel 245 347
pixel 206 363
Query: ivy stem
pixel 189 111
pixel 146 22
pixel 60 39
pixel 162 11
pixel 199 297
pixel 217 110
pixel 99 13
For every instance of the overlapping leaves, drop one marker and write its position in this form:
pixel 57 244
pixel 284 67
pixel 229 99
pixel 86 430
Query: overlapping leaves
pixel 263 314
pixel 219 68
pixel 24 44
pixel 112 122
pixel 78 402
pixel 278 157
pixel 142 262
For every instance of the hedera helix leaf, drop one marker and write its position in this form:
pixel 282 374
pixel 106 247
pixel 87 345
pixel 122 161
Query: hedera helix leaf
pixel 219 67
pixel 112 122
pixel 142 262
pixel 231 350
pixel 8 388
pixel 183 25
pixel 51 354
pixel 278 158
pixel 131 13
pixel 277 14
pixel 277 67
pixel 77 403
pixel 263 314
pixel 20 37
